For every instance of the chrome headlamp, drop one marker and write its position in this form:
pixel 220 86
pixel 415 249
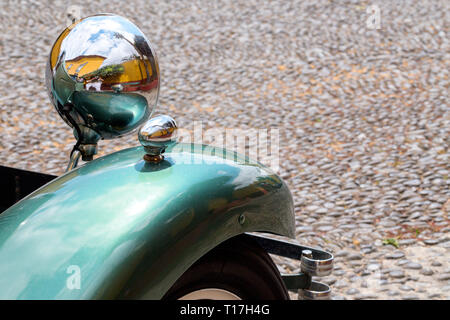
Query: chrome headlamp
pixel 103 78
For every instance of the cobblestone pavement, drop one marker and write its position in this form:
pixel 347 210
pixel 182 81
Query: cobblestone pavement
pixel 363 115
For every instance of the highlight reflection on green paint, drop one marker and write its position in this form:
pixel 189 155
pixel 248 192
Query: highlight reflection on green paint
pixel 132 227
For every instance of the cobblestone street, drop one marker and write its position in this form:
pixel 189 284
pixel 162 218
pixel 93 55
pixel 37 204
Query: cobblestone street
pixel 363 114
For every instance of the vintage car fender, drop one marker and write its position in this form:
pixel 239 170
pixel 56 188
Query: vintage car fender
pixel 129 229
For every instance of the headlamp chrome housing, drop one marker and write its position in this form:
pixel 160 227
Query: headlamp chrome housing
pixel 103 77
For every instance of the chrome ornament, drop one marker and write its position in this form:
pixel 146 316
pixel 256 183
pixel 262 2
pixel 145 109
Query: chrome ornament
pixel 156 135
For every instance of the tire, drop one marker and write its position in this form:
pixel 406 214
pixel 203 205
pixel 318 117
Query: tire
pixel 238 267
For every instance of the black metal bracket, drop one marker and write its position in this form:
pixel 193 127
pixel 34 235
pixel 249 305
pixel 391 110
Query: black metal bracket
pixel 296 281
pixel 318 261
pixel 288 249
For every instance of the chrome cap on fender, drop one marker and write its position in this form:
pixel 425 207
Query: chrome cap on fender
pixel 103 76
pixel 156 135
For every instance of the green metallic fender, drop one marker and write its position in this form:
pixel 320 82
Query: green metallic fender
pixel 129 229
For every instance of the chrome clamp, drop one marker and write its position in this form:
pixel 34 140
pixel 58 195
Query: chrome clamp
pixel 315 267
pixel 313 263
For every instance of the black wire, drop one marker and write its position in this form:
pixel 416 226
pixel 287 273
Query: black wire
pixel 66 111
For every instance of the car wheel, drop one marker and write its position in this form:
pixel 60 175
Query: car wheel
pixel 237 269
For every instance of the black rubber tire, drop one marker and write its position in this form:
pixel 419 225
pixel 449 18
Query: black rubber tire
pixel 238 265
